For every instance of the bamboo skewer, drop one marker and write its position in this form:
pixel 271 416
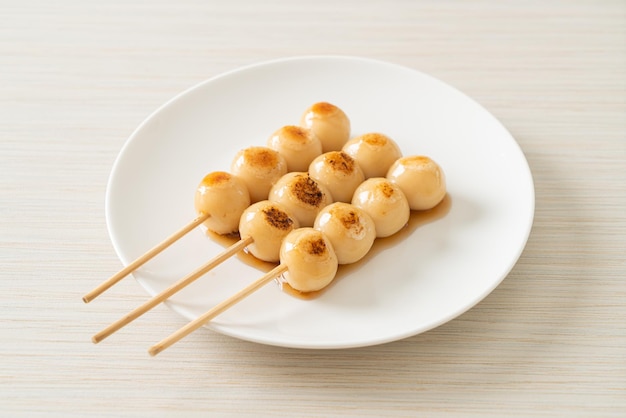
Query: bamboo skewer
pixel 144 258
pixel 185 281
pixel 216 310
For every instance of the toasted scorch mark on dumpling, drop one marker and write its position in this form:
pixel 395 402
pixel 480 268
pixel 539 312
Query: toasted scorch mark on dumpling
pixel 301 195
pixel 268 223
pixel 339 173
pixel 310 259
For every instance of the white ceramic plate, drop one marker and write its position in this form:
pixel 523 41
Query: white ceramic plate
pixel 440 267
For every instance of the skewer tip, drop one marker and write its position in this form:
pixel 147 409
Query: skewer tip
pixel 130 268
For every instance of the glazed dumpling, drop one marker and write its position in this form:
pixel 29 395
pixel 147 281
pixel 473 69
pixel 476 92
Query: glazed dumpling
pixel 223 197
pixel 385 203
pixel 268 223
pixel 421 179
pixel 329 123
pixel 301 195
pixel 310 259
pixel 298 145
pixel 350 229
pixel 339 173
pixel 374 152
pixel 259 168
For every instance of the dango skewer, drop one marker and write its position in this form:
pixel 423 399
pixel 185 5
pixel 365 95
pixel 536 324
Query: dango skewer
pixel 214 190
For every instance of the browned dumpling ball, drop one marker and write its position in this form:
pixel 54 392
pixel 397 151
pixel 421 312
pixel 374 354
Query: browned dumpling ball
pixel 310 259
pixel 339 173
pixel 350 229
pixel 421 180
pixel 374 152
pixel 385 203
pixel 223 197
pixel 268 223
pixel 301 195
pixel 259 168
pixel 298 145
pixel 329 123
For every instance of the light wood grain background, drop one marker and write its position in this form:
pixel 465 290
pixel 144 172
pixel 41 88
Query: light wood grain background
pixel 77 77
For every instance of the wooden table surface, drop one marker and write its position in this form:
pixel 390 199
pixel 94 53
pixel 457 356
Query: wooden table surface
pixel 76 78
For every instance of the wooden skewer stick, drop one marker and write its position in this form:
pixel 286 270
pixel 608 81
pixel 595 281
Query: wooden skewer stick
pixel 144 258
pixel 216 310
pixel 185 281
